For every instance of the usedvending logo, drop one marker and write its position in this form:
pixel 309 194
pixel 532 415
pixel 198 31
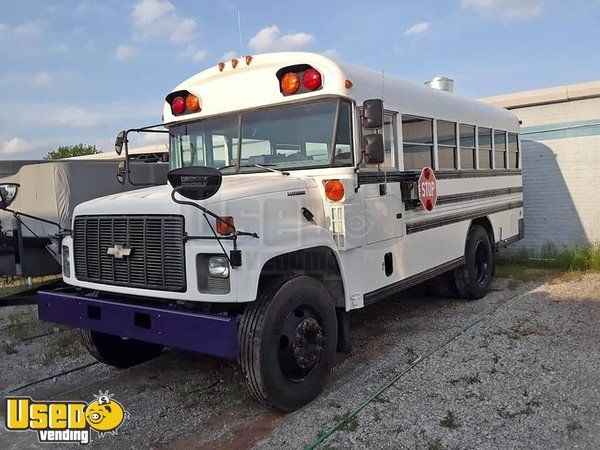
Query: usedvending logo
pixel 65 421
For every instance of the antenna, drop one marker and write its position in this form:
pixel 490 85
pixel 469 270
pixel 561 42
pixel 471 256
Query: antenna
pixel 240 32
pixel 382 83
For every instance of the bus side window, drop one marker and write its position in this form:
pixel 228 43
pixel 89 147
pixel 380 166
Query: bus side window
pixel 500 149
pixel 485 147
pixel 467 146
pixel 446 132
pixel 417 133
pixel 389 141
pixel 513 151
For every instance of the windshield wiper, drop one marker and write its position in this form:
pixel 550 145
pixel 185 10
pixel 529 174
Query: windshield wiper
pixel 260 166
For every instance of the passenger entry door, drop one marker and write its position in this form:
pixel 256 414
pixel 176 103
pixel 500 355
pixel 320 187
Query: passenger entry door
pixel 384 209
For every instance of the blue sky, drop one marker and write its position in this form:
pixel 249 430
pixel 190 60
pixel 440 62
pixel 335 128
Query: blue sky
pixel 79 71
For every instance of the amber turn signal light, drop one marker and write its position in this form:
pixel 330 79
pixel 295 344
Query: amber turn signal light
pixel 225 225
pixel 290 83
pixel 334 190
pixel 192 103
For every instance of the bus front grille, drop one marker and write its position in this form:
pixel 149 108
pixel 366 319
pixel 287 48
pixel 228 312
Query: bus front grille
pixel 134 251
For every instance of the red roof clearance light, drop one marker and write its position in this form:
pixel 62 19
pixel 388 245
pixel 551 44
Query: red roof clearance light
pixel 311 79
pixel 178 105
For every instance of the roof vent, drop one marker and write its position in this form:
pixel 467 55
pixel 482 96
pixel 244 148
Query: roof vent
pixel 441 83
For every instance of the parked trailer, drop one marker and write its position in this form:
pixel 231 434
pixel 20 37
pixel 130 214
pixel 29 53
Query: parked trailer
pixel 38 207
pixel 296 194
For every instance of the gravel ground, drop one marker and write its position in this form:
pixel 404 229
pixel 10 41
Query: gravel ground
pixel 523 376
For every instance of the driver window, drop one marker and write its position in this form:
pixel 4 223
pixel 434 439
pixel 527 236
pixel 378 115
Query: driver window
pixel 389 141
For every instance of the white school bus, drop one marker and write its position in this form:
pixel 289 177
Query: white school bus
pixel 301 189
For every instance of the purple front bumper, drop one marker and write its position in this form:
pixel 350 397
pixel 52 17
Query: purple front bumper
pixel 199 332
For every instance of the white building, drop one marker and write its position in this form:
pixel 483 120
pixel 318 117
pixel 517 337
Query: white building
pixel 561 164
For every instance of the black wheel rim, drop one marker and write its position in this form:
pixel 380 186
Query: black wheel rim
pixel 482 263
pixel 301 342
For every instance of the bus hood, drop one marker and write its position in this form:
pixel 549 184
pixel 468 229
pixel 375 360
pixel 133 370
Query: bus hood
pixel 157 199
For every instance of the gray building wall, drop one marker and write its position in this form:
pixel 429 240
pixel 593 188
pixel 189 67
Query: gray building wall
pixel 561 170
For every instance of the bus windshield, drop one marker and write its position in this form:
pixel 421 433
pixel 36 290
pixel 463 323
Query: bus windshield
pixel 285 137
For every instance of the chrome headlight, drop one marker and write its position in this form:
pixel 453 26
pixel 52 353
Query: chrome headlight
pixel 8 193
pixel 218 267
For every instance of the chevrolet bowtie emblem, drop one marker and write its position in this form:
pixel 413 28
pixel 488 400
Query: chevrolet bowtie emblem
pixel 118 251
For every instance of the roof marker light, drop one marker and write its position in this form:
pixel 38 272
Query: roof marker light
pixel 348 84
pixel 221 66
pixel 234 63
pixel 192 103
pixel 311 79
pixel 248 60
pixel 290 83
pixel 178 105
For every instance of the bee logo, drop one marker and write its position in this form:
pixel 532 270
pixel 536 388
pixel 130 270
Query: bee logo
pixel 105 415
pixel 65 421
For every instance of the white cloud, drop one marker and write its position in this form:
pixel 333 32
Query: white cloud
pixel 159 18
pixel 506 9
pixel 418 28
pixel 124 52
pixel 3 27
pixel 28 29
pixel 18 145
pixel 193 53
pixel 269 39
pixel 42 79
pixel 229 55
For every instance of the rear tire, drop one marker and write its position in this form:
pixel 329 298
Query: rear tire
pixel 288 339
pixel 117 351
pixel 474 278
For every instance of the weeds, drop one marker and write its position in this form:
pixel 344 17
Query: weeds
pixel 578 259
pixel 573 425
pixel 435 444
pixel 349 422
pixel 450 421
pixel 7 348
pixel 411 355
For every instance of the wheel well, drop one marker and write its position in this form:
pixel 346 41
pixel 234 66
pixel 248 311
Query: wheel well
pixel 487 226
pixel 317 262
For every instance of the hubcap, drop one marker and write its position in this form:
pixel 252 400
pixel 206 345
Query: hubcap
pixel 301 343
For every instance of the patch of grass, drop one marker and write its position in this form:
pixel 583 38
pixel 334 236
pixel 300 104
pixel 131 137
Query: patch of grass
pixel 450 421
pixel 7 348
pixel 381 399
pixel 518 332
pixel 523 266
pixel 573 425
pixel 411 355
pixel 435 444
pixel 18 322
pixel 350 423
pixel 63 344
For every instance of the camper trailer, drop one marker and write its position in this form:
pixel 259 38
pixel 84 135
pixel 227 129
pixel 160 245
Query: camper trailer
pixel 300 189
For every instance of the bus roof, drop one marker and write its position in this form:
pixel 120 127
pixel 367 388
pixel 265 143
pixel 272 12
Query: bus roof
pixel 254 83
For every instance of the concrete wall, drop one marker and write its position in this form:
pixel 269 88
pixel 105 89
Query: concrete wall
pixel 561 174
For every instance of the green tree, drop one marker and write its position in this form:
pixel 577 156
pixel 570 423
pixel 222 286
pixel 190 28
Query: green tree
pixel 67 151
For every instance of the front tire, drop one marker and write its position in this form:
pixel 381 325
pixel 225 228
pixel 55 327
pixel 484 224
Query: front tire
pixel 117 351
pixel 288 339
pixel 474 278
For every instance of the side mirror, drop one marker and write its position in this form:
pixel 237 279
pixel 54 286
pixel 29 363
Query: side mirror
pixel 195 183
pixel 119 142
pixel 372 116
pixel 8 192
pixel 121 172
pixel 373 148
